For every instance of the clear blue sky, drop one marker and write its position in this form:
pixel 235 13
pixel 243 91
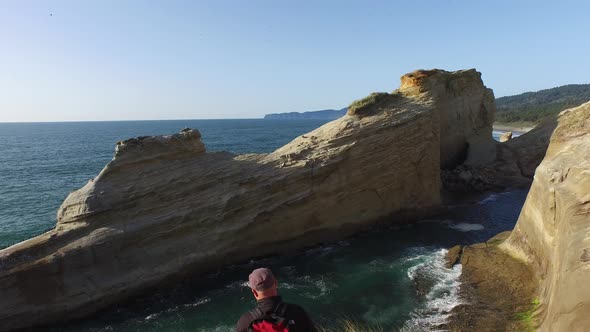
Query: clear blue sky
pixel 118 60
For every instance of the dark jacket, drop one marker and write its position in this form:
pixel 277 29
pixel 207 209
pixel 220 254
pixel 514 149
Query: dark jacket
pixel 268 305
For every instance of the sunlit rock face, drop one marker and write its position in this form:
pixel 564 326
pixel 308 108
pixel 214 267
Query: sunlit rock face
pixel 465 122
pixel 553 230
pixel 164 207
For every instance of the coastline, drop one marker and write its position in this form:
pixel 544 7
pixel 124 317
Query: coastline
pixel 513 128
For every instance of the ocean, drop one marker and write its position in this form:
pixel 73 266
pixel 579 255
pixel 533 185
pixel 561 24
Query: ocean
pixel 392 277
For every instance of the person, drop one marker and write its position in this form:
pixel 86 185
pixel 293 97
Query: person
pixel 271 313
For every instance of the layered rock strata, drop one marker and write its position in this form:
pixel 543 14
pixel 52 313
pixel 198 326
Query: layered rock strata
pixel 164 206
pixel 553 231
pixel 466 122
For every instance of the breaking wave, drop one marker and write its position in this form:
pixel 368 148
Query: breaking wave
pixel 441 294
pixel 491 198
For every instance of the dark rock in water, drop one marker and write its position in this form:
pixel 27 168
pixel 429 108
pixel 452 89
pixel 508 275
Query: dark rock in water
pixel 423 283
pixel 466 179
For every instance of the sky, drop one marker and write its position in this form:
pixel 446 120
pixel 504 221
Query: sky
pixel 140 60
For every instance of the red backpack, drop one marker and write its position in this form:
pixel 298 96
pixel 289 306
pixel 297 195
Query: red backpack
pixel 275 322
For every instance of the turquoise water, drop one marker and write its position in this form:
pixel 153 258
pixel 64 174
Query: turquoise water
pixel 393 277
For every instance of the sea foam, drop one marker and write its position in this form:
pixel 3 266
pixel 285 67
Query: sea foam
pixel 441 298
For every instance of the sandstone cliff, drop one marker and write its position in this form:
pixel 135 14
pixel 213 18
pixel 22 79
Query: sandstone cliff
pixel 164 206
pixel 553 230
pixel 466 122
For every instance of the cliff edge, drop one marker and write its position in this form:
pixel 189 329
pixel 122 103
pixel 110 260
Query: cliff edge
pixel 536 277
pixel 553 231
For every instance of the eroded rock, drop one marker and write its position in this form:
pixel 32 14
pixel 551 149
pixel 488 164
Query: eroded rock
pixel 513 165
pixel 505 137
pixel 453 256
pixel 494 288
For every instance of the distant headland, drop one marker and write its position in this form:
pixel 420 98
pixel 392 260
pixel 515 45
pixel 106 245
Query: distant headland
pixel 312 115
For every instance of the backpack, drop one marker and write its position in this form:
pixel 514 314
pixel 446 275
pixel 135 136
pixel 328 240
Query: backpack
pixel 275 322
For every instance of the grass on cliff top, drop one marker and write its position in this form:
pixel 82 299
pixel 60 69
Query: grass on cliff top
pixel 527 317
pixel 365 106
pixel 573 123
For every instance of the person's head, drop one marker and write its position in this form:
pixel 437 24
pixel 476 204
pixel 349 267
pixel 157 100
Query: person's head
pixel 263 283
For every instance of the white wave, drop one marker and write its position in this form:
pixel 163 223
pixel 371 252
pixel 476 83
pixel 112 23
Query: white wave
pixel 465 227
pixel 412 271
pixel 322 287
pixel 152 316
pixel 198 302
pixel 412 258
pixel 237 284
pixel 442 297
pixel 286 285
pixel 491 198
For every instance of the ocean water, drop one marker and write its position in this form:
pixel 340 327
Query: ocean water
pixel 41 163
pixel 392 277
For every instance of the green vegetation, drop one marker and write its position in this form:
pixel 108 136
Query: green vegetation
pixel 365 106
pixel 573 123
pixel 534 107
pixel 526 317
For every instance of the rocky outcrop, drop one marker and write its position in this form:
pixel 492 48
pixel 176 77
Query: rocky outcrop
pixel 164 207
pixel 465 123
pixel 553 231
pixel 505 137
pixel 497 290
pixel 521 155
pixel 536 276
pixel 512 166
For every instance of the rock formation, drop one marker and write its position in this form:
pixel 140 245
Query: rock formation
pixel 521 155
pixel 164 207
pixel 537 275
pixel 495 288
pixel 466 122
pixel 553 231
pixel 510 164
pixel 505 137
